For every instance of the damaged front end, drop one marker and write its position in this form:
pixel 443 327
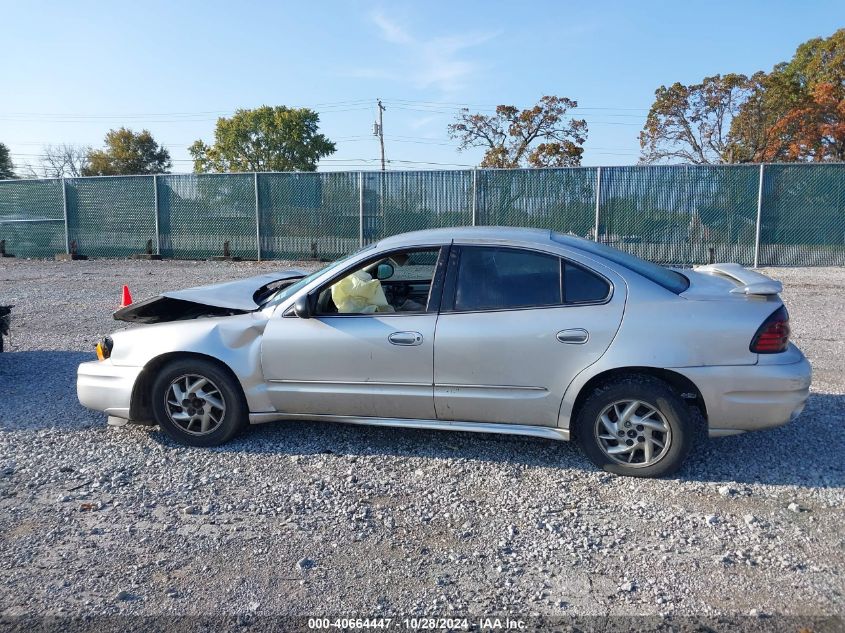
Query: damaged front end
pixel 215 300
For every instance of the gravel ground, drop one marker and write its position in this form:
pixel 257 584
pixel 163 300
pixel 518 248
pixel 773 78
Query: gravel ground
pixel 317 518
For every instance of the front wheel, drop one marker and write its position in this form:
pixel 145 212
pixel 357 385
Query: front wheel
pixel 197 403
pixel 636 426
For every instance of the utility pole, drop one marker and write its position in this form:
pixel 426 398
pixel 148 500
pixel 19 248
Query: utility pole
pixel 380 130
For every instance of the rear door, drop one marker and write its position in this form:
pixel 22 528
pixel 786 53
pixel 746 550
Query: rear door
pixel 516 326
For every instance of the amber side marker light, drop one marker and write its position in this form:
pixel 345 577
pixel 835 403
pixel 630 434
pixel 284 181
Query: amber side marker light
pixel 104 348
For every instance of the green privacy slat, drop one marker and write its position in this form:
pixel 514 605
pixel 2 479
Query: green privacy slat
pixel 111 217
pixel 676 214
pixel 398 202
pixel 198 213
pixel 32 217
pixel 559 199
pixel 308 215
pixel 679 215
pixel 803 215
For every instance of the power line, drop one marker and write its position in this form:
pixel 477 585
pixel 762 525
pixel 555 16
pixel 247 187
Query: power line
pixel 329 104
pixel 494 105
pixel 140 118
pixel 574 114
pixel 349 105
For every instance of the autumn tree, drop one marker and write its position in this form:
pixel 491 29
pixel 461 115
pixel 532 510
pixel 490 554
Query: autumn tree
pixel 540 136
pixel 264 139
pixel 797 111
pixel 692 124
pixel 814 130
pixel 127 153
pixel 7 168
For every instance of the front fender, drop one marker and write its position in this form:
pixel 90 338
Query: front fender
pixel 235 341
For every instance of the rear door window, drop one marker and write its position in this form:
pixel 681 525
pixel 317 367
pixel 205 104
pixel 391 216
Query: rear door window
pixel 490 278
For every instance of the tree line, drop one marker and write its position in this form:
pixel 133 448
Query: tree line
pixel 794 112
pixel 262 139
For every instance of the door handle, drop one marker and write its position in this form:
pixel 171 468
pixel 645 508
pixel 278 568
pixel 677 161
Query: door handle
pixel 575 336
pixel 405 338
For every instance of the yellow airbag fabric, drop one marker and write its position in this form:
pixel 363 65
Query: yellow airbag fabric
pixel 359 293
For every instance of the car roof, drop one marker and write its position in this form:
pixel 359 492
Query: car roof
pixel 446 235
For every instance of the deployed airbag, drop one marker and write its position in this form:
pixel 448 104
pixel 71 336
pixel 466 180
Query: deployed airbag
pixel 359 293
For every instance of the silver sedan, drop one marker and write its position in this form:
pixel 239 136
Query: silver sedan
pixel 498 330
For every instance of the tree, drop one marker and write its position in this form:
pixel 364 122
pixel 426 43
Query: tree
pixel 61 161
pixel 813 130
pixel 128 153
pixel 7 168
pixel 540 136
pixel 797 112
pixel 264 139
pixel 693 123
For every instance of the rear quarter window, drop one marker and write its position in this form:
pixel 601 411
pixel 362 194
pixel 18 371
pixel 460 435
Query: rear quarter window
pixel 669 279
pixel 582 286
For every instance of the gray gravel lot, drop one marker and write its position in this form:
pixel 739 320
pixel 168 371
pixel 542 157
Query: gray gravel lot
pixel 316 518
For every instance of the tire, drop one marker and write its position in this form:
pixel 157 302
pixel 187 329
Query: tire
pixel 216 414
pixel 660 407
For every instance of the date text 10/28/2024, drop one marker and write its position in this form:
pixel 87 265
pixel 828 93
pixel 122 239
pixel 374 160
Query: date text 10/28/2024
pixel 419 624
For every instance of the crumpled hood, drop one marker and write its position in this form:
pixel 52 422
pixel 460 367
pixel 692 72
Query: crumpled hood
pixel 230 297
pixel 237 295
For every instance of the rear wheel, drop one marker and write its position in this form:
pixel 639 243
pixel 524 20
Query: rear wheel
pixel 636 426
pixel 197 403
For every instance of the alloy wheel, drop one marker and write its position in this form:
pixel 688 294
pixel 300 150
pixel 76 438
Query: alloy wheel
pixel 633 433
pixel 195 404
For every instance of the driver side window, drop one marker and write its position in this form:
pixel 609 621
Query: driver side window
pixel 397 282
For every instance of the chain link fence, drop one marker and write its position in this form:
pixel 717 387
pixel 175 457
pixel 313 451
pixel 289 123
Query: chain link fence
pixel 803 215
pixel 308 215
pixel 198 213
pixel 32 220
pixel 110 217
pixel 766 215
pixel 398 202
pixel 677 215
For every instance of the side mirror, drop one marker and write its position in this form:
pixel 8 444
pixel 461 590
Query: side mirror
pixel 384 270
pixel 302 307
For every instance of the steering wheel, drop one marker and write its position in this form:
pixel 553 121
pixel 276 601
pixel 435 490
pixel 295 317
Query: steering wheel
pixel 397 293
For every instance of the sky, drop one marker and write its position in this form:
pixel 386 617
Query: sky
pixel 72 71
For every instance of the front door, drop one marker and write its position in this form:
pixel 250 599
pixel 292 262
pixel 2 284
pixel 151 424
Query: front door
pixel 516 327
pixel 368 349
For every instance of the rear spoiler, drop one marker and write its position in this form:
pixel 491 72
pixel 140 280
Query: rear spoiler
pixel 750 282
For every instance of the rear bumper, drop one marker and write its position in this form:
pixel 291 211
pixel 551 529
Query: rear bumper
pixel 102 386
pixel 752 397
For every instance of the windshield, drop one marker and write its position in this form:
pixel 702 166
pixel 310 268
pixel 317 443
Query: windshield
pixel 672 280
pixel 289 291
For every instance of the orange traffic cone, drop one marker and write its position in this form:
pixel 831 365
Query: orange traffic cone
pixel 127 298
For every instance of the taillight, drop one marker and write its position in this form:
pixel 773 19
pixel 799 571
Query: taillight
pixel 773 335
